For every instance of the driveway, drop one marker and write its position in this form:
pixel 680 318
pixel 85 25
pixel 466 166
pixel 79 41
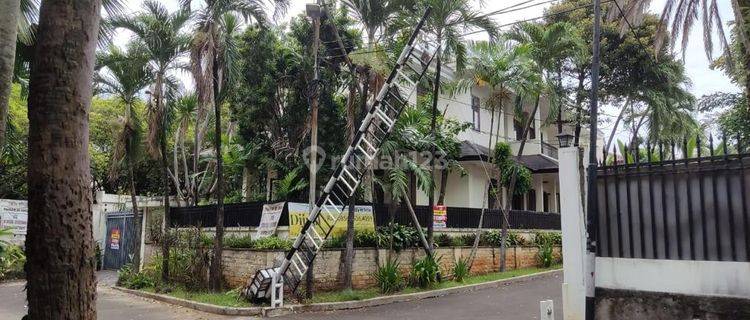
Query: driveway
pixel 111 304
pixel 517 301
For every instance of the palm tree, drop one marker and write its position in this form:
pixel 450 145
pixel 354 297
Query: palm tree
pixel 159 32
pixel 185 107
pixel 447 20
pixel 214 59
pixel 9 12
pixel 59 242
pixel 127 73
pixel 681 16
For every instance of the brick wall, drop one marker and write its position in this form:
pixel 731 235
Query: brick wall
pixel 240 265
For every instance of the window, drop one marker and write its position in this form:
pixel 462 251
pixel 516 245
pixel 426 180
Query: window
pixel 475 113
pixel 517 202
pixel 546 201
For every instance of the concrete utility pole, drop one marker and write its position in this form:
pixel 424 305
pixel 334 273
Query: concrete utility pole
pixel 313 11
pixel 591 194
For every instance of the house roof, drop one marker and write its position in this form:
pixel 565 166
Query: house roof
pixel 537 163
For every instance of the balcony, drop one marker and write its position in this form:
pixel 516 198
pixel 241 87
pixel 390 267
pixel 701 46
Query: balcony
pixel 549 150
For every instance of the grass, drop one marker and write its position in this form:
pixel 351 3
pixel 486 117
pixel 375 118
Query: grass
pixel 232 298
pixel 363 294
pixel 226 299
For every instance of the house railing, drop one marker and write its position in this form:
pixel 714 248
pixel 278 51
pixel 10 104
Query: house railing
pixel 249 214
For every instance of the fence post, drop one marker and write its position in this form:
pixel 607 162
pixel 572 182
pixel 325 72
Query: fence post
pixel 573 225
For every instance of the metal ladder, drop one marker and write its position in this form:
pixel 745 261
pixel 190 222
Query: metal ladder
pixel 385 109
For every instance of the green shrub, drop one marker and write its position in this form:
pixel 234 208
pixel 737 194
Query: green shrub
pixel 244 242
pixel 545 257
pixel 457 242
pixel 127 277
pixel 403 236
pixel 515 239
pixel 443 240
pixel 461 269
pixel 552 238
pixel 208 241
pixel 365 239
pixel 492 238
pixel 425 271
pixel 335 242
pixel 273 243
pixel 12 260
pixel 389 278
pixel 467 240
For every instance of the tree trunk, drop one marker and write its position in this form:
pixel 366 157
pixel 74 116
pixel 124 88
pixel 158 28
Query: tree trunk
pixel 351 119
pixel 512 187
pixel 60 267
pixel 433 120
pixel 9 12
pixel 425 243
pixel 443 185
pixel 136 217
pixel 215 278
pixel 617 123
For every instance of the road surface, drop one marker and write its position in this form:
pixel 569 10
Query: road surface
pixel 517 301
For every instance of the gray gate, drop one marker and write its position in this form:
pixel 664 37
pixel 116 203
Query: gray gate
pixel 120 244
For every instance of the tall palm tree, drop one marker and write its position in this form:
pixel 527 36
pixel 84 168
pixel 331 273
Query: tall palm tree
pixel 59 243
pixel 447 20
pixel 681 16
pixel 9 12
pixel 163 41
pixel 125 75
pixel 214 58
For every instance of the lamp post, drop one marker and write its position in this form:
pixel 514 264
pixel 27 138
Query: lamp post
pixel 565 139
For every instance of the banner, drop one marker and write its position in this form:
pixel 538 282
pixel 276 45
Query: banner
pixel 269 219
pixel 14 215
pixel 114 239
pixel 439 217
pixel 363 219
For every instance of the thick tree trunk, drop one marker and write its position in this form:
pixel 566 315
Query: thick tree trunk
pixel 60 265
pixel 512 188
pixel 136 218
pixel 9 12
pixel 215 278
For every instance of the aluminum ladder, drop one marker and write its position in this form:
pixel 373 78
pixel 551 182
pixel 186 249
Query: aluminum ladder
pixel 412 64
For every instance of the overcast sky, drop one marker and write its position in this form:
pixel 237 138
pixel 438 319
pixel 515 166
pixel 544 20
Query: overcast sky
pixel 704 80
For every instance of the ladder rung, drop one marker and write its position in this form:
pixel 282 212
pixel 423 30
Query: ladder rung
pixel 405 77
pixel 351 176
pixel 335 207
pixel 384 117
pixel 351 189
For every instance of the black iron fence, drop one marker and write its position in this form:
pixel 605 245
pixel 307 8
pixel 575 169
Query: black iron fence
pixel 248 215
pixel 685 202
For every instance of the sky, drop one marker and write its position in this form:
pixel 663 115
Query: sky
pixel 704 80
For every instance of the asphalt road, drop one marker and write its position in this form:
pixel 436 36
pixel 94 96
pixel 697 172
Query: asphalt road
pixel 518 301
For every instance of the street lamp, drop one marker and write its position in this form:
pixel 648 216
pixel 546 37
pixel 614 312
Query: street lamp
pixel 565 139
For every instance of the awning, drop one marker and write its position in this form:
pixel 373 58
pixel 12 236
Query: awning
pixel 537 163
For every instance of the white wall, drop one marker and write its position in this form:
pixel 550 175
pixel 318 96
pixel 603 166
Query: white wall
pixel 675 276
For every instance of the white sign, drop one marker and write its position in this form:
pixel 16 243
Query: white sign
pixel 14 215
pixel 269 220
pixel 363 219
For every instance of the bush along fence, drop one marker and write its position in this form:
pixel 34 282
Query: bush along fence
pixel 248 215
pixel 686 201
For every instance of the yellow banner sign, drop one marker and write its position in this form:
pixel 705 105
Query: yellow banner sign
pixel 363 219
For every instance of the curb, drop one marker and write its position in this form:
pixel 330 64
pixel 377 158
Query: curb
pixel 333 306
pixel 205 307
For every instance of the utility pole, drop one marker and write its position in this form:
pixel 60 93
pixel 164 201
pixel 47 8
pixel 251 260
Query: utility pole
pixel 591 194
pixel 314 12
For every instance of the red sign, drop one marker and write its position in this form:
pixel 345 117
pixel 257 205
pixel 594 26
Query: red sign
pixel 440 217
pixel 114 242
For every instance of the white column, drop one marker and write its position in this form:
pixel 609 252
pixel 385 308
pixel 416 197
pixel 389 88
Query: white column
pixel 573 235
pixel 540 193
